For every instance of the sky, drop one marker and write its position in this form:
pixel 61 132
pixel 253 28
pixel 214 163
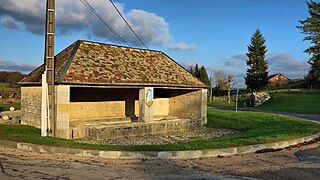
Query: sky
pixel 212 33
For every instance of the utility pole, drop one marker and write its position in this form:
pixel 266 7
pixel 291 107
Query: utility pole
pixel 49 63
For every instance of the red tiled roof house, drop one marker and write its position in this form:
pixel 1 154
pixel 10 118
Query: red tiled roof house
pixel 278 79
pixel 105 91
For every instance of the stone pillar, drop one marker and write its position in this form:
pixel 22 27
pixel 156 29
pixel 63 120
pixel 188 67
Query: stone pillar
pixel 62 111
pixel 204 101
pixel 146 105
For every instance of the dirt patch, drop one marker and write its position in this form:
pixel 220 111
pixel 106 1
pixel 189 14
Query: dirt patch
pixel 168 138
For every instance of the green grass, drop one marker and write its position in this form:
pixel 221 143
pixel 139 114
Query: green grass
pixel 6 87
pixel 305 103
pixel 253 128
pixel 221 103
pixel 6 107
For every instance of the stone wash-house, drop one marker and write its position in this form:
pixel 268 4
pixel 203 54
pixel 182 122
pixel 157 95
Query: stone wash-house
pixel 105 91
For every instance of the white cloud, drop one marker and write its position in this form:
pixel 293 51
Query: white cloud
pixel 72 16
pixel 186 63
pixel 150 27
pixel 282 63
pixel 236 65
pixel 11 66
pixel 181 46
pixel 9 22
pixel 238 60
pixel 286 64
pixel 239 75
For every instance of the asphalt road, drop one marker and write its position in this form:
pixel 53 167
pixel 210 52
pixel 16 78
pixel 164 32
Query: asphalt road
pixel 296 163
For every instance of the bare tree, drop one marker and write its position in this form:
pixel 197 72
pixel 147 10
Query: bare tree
pixel 219 77
pixel 229 84
pixel 210 89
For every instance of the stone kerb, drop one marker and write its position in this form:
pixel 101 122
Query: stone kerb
pixel 190 154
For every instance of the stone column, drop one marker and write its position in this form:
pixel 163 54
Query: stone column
pixel 62 111
pixel 204 101
pixel 146 104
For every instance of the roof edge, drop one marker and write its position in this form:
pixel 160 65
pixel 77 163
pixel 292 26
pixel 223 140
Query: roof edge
pixel 28 83
pixel 113 84
pixel 130 84
pixel 95 42
pixel 183 68
pixel 67 65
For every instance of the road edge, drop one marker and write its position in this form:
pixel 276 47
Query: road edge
pixel 189 154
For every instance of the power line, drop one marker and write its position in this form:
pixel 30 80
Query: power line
pixel 275 1
pixel 104 23
pixel 128 24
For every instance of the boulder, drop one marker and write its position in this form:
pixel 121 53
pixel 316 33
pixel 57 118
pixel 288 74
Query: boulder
pixel 259 98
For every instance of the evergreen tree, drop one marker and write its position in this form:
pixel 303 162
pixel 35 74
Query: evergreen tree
pixel 191 70
pixel 203 76
pixel 196 71
pixel 200 74
pixel 257 72
pixel 311 28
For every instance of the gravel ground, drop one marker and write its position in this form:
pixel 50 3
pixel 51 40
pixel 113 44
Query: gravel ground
pixel 169 138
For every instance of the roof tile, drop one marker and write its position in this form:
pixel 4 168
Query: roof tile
pixel 96 63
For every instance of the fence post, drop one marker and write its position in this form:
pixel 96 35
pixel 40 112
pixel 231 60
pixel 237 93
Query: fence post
pixel 237 100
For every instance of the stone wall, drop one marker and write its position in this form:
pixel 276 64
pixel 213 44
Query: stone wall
pixel 117 106
pixel 84 94
pixel 136 129
pixel 161 107
pixel 102 103
pixel 31 106
pixel 96 110
pixel 128 95
pixel 185 104
pixel 62 111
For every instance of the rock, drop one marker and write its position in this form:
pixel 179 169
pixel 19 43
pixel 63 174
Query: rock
pixel 259 98
pixel 12 108
pixel 5 117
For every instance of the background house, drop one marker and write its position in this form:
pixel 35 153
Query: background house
pixel 105 91
pixel 278 80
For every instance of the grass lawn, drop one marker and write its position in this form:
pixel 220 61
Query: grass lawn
pixel 6 87
pixel 221 103
pixel 253 127
pixel 6 107
pixel 305 103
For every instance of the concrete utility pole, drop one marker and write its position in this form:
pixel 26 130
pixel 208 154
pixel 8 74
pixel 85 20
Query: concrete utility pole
pixel 49 63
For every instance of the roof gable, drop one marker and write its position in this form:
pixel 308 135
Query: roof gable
pixel 277 75
pixel 102 64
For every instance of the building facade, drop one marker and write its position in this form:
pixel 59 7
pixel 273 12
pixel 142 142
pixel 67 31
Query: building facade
pixel 105 91
pixel 278 80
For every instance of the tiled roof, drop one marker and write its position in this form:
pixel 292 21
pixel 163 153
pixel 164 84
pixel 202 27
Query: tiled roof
pixel 273 75
pixel 278 74
pixel 103 64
